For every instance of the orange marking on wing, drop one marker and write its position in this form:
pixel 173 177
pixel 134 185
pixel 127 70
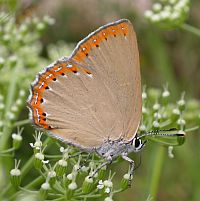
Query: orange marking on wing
pixel 40 86
pixel 95 40
pixel 124 28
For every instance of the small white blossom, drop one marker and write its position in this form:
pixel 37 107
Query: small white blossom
pixel 1 124
pixel 22 93
pixel 16 137
pixel 157 7
pixel 156 124
pixel 176 111
pixel 88 179
pixel 62 163
pixel 144 95
pixel 2 106
pixel 108 183
pixel 108 199
pixel 148 14
pixel 11 115
pixel 51 174
pixel 165 93
pixel 181 121
pixel 15 172
pixel 100 185
pixel 72 186
pixel 84 168
pixel 143 127
pixel 170 154
pixel 39 156
pixel 70 176
pixel 155 18
pixel 107 190
pixel 156 106
pixel 18 101
pixel 144 110
pixel 45 186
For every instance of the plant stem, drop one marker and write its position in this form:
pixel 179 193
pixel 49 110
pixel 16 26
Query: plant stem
pixel 7 129
pixel 191 29
pixel 156 170
pixel 21 123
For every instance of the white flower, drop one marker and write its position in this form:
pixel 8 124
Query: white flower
pixel 62 163
pixel 100 185
pixel 107 190
pixel 45 186
pixel 108 199
pixel 16 137
pixel 157 7
pixel 165 93
pixel 148 14
pixel 170 154
pixel 15 172
pixel 72 186
pixel 143 127
pixel 181 121
pixel 70 176
pixel 176 111
pixel 144 95
pixel 51 174
pixel 156 124
pixel 156 106
pixel 108 183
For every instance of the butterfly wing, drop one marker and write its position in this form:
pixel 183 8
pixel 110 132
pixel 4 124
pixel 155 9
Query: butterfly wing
pixel 95 94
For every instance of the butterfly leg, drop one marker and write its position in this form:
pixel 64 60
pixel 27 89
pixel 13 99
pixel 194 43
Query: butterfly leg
pixel 100 167
pixel 132 165
pixel 85 161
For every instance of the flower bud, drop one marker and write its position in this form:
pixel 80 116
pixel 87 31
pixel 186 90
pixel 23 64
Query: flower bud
pixel 45 187
pixel 156 106
pixel 108 199
pixel 61 167
pixel 88 185
pixel 15 177
pixel 165 96
pixel 125 181
pixel 71 189
pixel 52 177
pixel 38 160
pixel 102 173
pixel 2 61
pixel 17 140
pixel 181 104
pixel 156 125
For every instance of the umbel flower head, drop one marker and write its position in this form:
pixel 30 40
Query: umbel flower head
pixel 168 14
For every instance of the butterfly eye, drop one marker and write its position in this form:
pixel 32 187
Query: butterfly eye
pixel 137 144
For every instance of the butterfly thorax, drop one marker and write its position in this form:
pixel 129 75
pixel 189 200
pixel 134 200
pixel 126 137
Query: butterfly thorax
pixel 112 149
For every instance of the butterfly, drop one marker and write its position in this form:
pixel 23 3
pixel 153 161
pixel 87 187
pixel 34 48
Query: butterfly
pixel 92 99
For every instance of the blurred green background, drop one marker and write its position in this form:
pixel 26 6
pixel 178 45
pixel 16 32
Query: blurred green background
pixel 171 57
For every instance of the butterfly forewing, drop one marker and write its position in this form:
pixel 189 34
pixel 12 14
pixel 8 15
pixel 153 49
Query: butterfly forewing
pixel 95 94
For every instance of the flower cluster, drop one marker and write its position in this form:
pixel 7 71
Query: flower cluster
pixel 168 13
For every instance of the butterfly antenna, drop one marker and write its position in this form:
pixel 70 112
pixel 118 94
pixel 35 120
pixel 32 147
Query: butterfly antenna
pixel 161 133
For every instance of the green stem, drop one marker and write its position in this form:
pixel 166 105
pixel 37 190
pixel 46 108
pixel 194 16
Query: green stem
pixel 7 151
pixel 9 100
pixel 191 29
pixel 7 129
pixel 157 164
pixel 21 123
pixel 159 55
